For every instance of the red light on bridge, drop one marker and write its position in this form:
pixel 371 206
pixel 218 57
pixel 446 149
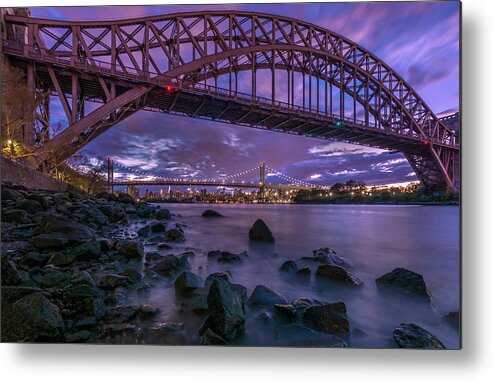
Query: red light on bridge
pixel 426 142
pixel 168 88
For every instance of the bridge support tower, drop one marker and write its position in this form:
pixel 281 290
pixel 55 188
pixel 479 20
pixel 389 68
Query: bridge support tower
pixel 261 183
pixel 110 176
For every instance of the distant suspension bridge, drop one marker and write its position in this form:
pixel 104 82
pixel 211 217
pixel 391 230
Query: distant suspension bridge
pixel 260 177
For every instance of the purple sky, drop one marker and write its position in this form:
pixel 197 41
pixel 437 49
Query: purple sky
pixel 420 40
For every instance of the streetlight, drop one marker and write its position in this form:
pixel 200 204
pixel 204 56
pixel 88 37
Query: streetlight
pixel 9 142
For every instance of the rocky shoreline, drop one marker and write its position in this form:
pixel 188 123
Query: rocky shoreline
pixel 71 262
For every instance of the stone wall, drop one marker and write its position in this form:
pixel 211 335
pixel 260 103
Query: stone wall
pixel 12 173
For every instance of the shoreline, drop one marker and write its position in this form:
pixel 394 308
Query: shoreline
pixel 431 203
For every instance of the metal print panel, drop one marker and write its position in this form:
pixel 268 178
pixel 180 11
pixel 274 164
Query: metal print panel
pixel 244 175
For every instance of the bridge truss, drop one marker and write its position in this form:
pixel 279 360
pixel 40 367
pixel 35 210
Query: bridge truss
pixel 249 69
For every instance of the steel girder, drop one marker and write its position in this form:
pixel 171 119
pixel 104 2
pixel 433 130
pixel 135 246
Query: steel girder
pixel 129 58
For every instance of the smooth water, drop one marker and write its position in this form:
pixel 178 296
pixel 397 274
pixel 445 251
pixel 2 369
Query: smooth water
pixel 375 238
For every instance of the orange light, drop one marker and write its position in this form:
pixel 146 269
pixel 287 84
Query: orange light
pixel 168 88
pixel 426 142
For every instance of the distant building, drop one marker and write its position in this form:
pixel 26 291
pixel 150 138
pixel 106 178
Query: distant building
pixel 133 191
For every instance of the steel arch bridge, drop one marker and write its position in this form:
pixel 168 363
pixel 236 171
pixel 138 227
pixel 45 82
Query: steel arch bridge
pixel 249 69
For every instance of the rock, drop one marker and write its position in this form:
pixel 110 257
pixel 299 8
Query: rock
pixel 73 231
pixel 157 227
pixel 226 310
pixel 32 318
pixel 169 265
pixel 415 337
pixel 165 333
pixel 163 214
pixel 211 213
pixel 112 281
pixel 261 232
pixel 62 260
pixel 130 249
pixel 78 337
pixel 105 244
pixel 289 267
pixel 330 318
pixel 227 257
pixel 152 256
pixel 132 273
pixel 296 335
pixel 328 256
pixel 116 297
pixel 163 246
pixel 175 235
pixel 10 194
pixel 339 275
pixel 452 319
pixel 55 279
pixel 225 275
pixel 146 211
pixel 284 313
pixel 83 300
pixel 147 311
pixel 264 316
pixel 94 215
pixel 304 271
pixel 87 251
pixel 50 241
pixel 125 198
pixel 197 302
pixel 405 282
pixel 107 196
pixel 30 206
pixel 144 231
pixel 187 282
pixel 264 296
pixel 34 258
pixel 210 338
pixel 85 322
pixel 10 274
pixel 82 278
pixel 39 198
pixel 13 215
pixel 121 314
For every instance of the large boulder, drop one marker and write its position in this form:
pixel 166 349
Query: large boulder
pixel 186 282
pixel 163 214
pixel 175 235
pixel 264 296
pixel 55 279
pixel 226 310
pixel 289 267
pixel 121 314
pixel 83 299
pixel 405 282
pixel 415 337
pixel 328 256
pixel 74 232
pixel 50 241
pixel 261 232
pixel 88 251
pixel 125 198
pixel 32 318
pixel 211 213
pixel 330 318
pixel 157 227
pixel 338 274
pixel 169 265
pixel 130 249
pixel 296 335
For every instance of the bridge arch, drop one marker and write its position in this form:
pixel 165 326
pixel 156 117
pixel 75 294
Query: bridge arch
pixel 132 59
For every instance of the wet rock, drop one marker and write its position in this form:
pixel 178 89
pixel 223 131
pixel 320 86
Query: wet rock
pixel 415 337
pixel 82 278
pixel 32 318
pixel 13 215
pixel 169 264
pixel 197 302
pixel 147 311
pixel 405 282
pixel 296 335
pixel 121 314
pixel 261 232
pixel 50 241
pixel 157 227
pixel 226 310
pixel 339 275
pixel 83 300
pixel 165 333
pixel 87 251
pixel 163 246
pixel 284 313
pixel 131 273
pixel 210 338
pixel 105 244
pixel 175 235
pixel 30 206
pixel 145 211
pixel 224 275
pixel 187 282
pixel 211 213
pixel 330 318
pixel 125 198
pixel 74 232
pixel 130 249
pixel 452 319
pixel 144 231
pixel 55 279
pixel 213 254
pixel 328 256
pixel 62 260
pixel 289 267
pixel 264 296
pixel 264 316
pixel 153 256
pixel 304 272
pixel 112 281
pixel 163 214
pixel 227 257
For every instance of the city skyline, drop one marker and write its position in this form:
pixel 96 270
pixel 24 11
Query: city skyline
pixel 418 40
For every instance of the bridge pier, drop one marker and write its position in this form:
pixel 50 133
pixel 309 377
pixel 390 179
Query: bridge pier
pixel 261 183
pixel 110 188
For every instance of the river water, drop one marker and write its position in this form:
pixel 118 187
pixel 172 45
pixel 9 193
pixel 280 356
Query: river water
pixel 375 238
